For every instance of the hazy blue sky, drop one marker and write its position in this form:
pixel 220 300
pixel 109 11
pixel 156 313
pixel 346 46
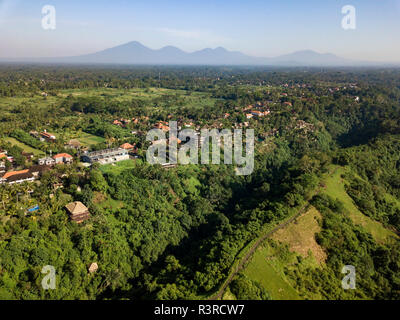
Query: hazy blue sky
pixel 260 28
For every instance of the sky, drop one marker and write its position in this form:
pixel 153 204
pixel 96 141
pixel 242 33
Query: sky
pixel 254 27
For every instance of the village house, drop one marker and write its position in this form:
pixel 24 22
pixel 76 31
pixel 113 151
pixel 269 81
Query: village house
pixel 78 211
pixel 106 156
pixel 257 113
pixel 46 136
pixel 16 177
pixel 129 147
pixel 48 161
pixel 26 175
pixel 118 123
pixel 135 120
pixel 63 158
pixel 249 116
pixel 162 125
pixel 4 156
pixel 73 144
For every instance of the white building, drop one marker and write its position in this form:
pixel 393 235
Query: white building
pixel 106 156
pixel 48 161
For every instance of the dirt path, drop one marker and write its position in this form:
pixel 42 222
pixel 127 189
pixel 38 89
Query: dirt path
pixel 254 247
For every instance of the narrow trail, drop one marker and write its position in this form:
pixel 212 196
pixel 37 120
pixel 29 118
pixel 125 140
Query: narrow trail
pixel 254 247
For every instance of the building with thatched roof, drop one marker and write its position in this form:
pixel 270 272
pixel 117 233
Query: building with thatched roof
pixel 74 144
pixel 78 211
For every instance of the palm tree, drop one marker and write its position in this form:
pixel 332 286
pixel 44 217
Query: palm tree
pixel 4 195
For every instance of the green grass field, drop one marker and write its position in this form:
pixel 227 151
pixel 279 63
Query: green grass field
pixel 87 139
pixel 267 268
pixel 335 187
pixel 193 99
pixel 24 147
pixel 9 103
pixel 118 167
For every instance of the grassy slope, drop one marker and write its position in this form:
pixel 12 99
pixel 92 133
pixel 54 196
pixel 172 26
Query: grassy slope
pixel 300 235
pixel 23 146
pixel 335 188
pixel 267 267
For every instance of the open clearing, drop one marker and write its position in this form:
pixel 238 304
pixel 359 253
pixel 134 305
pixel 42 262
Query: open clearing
pixel 335 187
pixel 24 147
pixel 118 167
pixel 87 139
pixel 300 235
pixel 267 264
pixel 267 269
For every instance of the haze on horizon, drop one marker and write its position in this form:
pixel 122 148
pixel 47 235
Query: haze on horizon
pixel 254 27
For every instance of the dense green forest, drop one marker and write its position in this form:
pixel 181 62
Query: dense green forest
pixel 176 233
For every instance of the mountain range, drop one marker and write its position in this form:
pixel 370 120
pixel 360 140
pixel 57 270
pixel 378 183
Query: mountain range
pixel 136 53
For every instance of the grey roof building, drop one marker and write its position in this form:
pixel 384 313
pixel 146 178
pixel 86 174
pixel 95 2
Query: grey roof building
pixel 106 156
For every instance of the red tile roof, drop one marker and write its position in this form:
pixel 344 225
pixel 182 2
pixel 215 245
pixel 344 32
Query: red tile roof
pixel 47 135
pixel 13 173
pixel 127 146
pixel 62 155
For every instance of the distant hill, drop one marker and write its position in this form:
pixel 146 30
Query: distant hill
pixel 136 53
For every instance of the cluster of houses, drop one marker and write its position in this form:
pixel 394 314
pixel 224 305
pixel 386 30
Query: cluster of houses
pixel 33 173
pixel 5 157
pixel 257 110
pixel 61 158
pixel 258 114
pixel 26 175
pixel 162 125
pixel 124 122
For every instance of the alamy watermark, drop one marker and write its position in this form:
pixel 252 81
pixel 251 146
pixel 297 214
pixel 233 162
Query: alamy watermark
pixel 349 20
pixel 349 281
pixel 49 17
pixel 49 281
pixel 194 143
